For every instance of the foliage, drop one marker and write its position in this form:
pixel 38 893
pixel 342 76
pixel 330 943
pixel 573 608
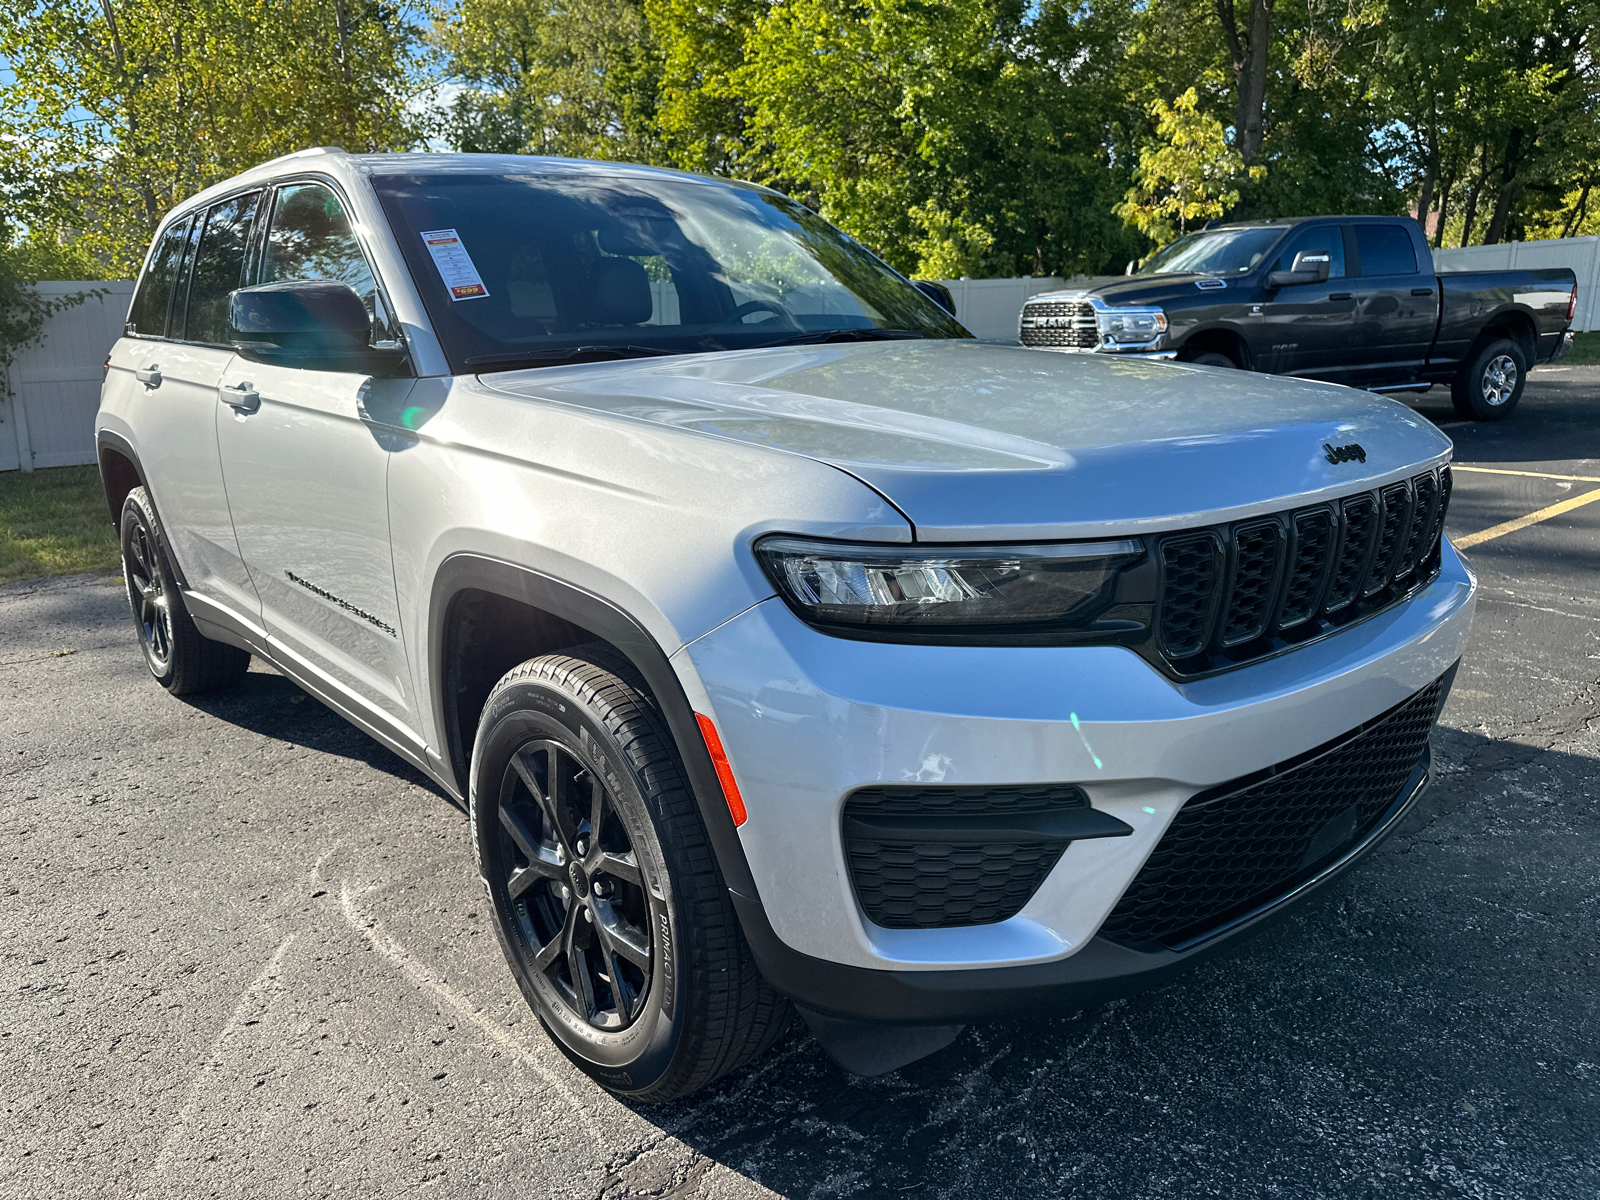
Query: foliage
pixel 114 111
pixel 1188 172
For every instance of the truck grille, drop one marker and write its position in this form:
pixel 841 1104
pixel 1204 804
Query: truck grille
pixel 1238 846
pixel 1236 593
pixel 948 880
pixel 1060 324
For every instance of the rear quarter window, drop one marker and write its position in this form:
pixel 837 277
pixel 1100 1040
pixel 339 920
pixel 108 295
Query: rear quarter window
pixel 153 300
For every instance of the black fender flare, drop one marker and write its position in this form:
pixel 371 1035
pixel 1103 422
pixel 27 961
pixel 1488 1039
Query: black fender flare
pixel 469 571
pixel 105 440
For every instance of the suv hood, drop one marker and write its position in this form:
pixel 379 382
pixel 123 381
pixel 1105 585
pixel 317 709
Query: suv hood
pixel 976 441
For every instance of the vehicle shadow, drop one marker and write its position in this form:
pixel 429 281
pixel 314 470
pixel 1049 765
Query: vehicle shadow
pixel 1426 1018
pixel 1553 422
pixel 274 706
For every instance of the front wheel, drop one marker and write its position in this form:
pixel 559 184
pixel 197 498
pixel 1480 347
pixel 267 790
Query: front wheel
pixel 1491 383
pixel 607 898
pixel 1213 358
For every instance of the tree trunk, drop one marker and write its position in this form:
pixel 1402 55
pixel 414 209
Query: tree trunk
pixel 1574 219
pixel 1430 172
pixel 1446 185
pixel 1508 188
pixel 1472 198
pixel 1248 53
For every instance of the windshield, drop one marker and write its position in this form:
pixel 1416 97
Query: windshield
pixel 520 270
pixel 1217 252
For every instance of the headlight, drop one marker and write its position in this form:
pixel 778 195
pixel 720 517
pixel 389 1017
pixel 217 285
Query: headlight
pixel 983 589
pixel 1131 324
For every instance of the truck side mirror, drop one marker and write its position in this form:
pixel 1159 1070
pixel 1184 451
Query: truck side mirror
pixel 1309 266
pixel 314 323
pixel 937 292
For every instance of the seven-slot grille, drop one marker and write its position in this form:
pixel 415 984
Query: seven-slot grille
pixel 1061 324
pixel 1239 592
pixel 1241 845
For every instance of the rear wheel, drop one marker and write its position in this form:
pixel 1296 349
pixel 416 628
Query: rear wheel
pixel 1491 383
pixel 181 658
pixel 608 902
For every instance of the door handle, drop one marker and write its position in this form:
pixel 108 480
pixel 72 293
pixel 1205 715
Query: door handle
pixel 242 398
pixel 1422 291
pixel 1338 295
pixel 149 376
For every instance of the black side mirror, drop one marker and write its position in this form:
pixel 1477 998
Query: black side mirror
pixel 1309 266
pixel 312 323
pixel 938 293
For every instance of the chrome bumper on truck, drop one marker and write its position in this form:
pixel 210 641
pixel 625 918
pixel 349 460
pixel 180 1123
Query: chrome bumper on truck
pixel 1236 794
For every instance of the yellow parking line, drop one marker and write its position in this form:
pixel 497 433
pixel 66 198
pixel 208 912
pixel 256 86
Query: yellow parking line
pixel 1544 514
pixel 1528 474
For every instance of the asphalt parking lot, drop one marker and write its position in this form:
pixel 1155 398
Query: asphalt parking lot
pixel 243 952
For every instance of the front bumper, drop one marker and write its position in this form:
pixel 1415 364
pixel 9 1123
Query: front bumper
pixel 807 718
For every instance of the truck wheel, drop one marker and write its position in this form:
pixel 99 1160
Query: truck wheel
pixel 1491 383
pixel 182 659
pixel 1213 358
pixel 607 898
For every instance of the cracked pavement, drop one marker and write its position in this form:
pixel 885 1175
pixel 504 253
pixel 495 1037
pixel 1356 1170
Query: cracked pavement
pixel 243 953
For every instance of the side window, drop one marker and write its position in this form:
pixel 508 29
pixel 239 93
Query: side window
pixel 1386 250
pixel 1317 237
pixel 219 267
pixel 310 238
pixel 148 314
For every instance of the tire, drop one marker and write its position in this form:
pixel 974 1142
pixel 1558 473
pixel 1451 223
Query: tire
pixel 625 944
pixel 182 659
pixel 1213 358
pixel 1490 385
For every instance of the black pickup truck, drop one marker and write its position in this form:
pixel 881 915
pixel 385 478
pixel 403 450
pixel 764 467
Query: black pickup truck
pixel 1352 300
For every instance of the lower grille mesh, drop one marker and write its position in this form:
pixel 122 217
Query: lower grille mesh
pixel 1234 848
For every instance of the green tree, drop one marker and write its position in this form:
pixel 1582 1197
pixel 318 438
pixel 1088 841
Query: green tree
pixel 568 77
pixel 1187 175
pixel 115 112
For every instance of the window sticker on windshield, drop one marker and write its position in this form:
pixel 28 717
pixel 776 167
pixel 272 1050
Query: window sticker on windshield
pixel 455 265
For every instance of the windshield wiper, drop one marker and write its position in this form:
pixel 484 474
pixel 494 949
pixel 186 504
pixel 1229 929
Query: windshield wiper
pixel 870 333
pixel 564 354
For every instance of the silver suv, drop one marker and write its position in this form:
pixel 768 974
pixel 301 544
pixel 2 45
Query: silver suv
pixel 792 649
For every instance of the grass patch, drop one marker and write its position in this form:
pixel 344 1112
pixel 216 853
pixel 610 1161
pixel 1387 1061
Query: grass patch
pixel 1585 350
pixel 54 522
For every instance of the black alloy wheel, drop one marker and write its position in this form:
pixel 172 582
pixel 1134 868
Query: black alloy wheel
pixel 606 895
pixel 574 882
pixel 182 659
pixel 149 590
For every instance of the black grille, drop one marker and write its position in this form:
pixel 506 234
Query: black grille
pixel 940 878
pixel 1071 324
pixel 1237 593
pixel 1236 847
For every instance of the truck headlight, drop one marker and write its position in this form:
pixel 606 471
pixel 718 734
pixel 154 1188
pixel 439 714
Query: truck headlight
pixel 974 589
pixel 1131 324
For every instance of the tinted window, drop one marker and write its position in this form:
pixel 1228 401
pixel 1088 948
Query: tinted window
pixel 148 315
pixel 1314 237
pixel 219 267
pixel 1386 250
pixel 311 238
pixel 526 267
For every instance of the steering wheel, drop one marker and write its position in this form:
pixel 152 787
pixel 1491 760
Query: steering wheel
pixel 752 306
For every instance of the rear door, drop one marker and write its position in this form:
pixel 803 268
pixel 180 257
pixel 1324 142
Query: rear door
pixel 1307 326
pixel 1396 300
pixel 173 410
pixel 307 473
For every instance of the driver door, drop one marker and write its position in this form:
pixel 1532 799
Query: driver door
pixel 1308 326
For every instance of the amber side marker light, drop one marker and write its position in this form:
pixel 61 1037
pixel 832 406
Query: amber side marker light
pixel 719 759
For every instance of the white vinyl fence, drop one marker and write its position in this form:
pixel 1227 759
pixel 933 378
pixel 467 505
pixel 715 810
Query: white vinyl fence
pixel 990 307
pixel 1582 254
pixel 47 412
